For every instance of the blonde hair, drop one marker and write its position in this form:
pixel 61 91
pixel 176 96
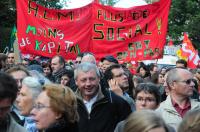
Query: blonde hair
pixel 191 122
pixel 143 121
pixel 62 101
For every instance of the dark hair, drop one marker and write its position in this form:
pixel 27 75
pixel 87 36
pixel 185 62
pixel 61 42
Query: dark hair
pixel 149 88
pixel 3 58
pixel 108 73
pixel 145 68
pixel 67 72
pixel 182 61
pixel 18 68
pixel 154 77
pixel 151 66
pixel 110 58
pixel 8 87
pixel 46 64
pixel 61 59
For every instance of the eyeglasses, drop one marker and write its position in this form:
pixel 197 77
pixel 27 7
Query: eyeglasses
pixel 187 81
pixel 40 106
pixel 148 99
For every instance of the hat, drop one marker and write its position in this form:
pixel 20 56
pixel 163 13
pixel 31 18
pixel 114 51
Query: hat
pixel 36 67
pixel 109 58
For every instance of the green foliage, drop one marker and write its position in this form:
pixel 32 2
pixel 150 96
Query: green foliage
pixel 8 13
pixel 184 17
pixel 53 4
pixel 8 19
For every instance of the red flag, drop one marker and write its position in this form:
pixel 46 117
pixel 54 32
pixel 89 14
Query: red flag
pixel 189 51
pixel 170 43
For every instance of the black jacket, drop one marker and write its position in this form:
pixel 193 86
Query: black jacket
pixel 107 111
pixel 62 126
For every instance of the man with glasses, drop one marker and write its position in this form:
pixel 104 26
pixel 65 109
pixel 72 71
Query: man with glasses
pixel 178 103
pixel 8 94
pixel 118 82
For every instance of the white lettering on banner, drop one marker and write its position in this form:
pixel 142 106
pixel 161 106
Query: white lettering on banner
pixel 25 41
pixel 68 45
pixel 50 46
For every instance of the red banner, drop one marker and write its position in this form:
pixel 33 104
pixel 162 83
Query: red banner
pixel 138 33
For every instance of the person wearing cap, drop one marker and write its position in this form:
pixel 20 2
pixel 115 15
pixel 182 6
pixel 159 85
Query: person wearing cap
pixel 108 61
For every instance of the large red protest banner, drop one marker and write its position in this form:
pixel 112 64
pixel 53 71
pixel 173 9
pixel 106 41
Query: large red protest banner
pixel 137 33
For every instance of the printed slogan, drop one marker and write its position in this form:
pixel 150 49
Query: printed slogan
pixel 137 33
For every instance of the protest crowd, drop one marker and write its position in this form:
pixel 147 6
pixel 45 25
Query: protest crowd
pixel 86 95
pixel 73 71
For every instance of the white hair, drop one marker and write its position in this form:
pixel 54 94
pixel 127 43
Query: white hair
pixel 34 85
pixel 42 79
pixel 88 58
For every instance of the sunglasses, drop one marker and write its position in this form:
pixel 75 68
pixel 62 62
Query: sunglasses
pixel 187 81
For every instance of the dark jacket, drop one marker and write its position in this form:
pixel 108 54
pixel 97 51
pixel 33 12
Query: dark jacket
pixel 107 111
pixel 56 77
pixel 62 126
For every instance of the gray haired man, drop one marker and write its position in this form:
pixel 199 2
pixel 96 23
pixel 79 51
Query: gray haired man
pixel 99 112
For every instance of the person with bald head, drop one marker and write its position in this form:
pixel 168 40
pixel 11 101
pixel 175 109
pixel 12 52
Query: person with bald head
pixel 88 57
pixel 181 85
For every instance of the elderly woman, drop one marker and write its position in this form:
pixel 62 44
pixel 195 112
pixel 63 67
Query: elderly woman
pixel 31 88
pixel 55 109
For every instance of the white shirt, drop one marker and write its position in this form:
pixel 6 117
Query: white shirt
pixel 89 103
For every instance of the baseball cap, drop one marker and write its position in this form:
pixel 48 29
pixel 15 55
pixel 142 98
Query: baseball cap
pixel 109 58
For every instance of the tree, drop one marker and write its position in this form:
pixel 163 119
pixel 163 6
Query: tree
pixel 53 4
pixel 184 17
pixel 7 17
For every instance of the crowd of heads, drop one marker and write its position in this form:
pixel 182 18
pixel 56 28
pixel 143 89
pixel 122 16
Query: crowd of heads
pixel 32 85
